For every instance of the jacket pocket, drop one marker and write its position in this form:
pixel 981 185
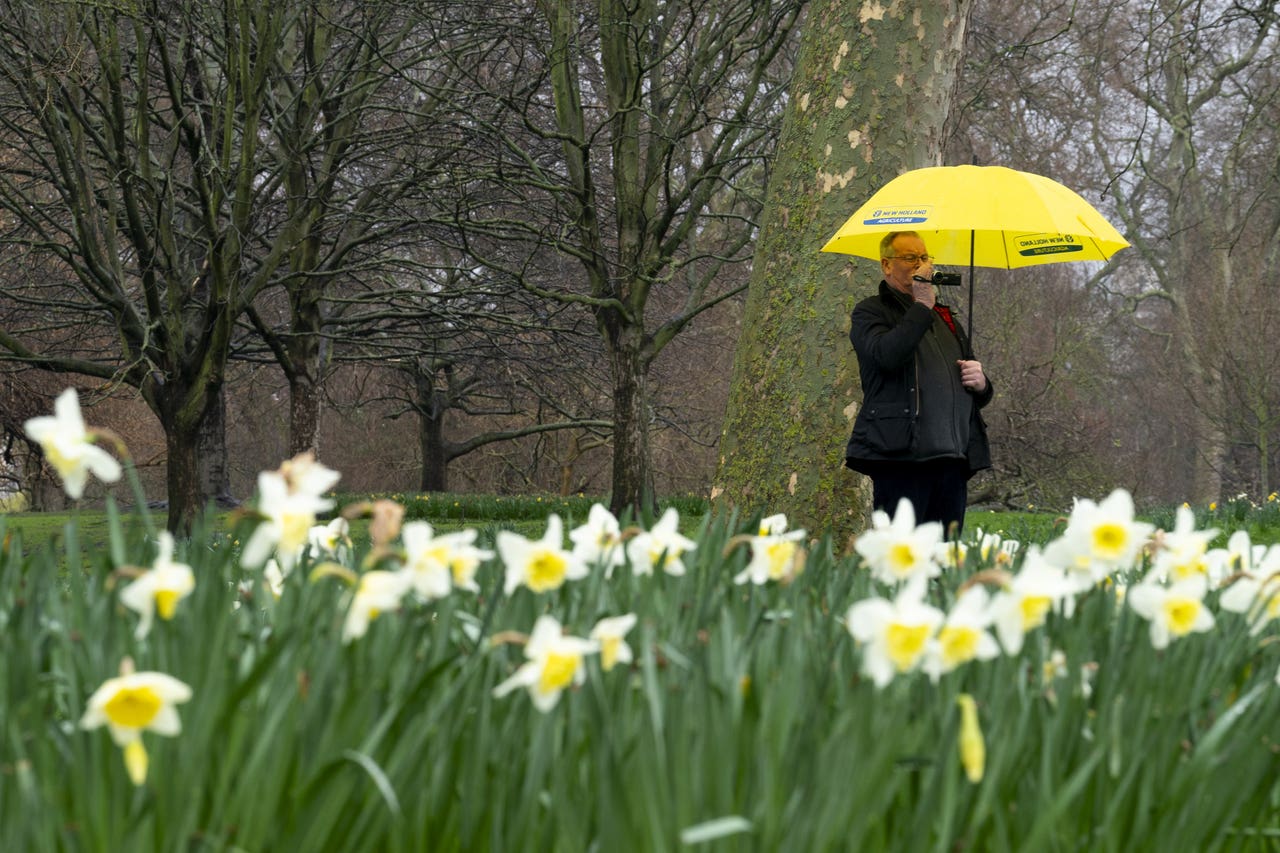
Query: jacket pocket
pixel 890 428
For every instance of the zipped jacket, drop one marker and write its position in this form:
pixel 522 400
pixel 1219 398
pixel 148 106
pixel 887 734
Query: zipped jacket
pixel 914 408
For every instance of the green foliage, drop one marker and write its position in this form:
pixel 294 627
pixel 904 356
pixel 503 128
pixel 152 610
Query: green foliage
pixel 743 723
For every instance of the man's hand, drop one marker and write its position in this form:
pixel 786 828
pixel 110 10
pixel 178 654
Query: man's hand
pixel 971 375
pixel 923 291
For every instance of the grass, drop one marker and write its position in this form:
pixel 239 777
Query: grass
pixel 746 720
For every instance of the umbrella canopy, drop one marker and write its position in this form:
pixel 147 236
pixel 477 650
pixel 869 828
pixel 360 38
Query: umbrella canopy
pixel 987 216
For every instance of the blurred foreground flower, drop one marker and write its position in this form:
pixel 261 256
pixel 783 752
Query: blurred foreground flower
pixel 160 588
pixel 662 546
pixel 1256 594
pixel 896 550
pixel 599 541
pixel 69 447
pixel 332 539
pixel 554 663
pixel 963 636
pixel 973 749
pixel 1025 603
pixel 776 554
pixel 437 564
pixel 132 703
pixel 376 593
pixel 1174 611
pixel 1184 551
pixel 289 500
pixel 608 634
pixel 893 634
pixel 1100 538
pixel 541 564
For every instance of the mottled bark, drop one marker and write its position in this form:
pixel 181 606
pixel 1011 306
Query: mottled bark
pixel 870 96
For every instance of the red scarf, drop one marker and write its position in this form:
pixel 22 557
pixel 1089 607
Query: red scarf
pixel 945 313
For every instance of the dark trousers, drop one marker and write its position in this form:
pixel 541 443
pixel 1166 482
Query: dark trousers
pixel 938 491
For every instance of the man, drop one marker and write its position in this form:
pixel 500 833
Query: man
pixel 918 434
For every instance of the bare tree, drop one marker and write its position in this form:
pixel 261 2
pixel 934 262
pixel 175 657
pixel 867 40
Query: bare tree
pixel 632 138
pixel 171 162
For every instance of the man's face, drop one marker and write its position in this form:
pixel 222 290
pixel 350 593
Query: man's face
pixel 898 272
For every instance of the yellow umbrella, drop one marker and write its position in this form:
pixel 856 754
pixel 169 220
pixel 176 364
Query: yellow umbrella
pixel 987 216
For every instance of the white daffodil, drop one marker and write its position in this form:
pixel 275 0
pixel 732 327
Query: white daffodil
pixel 1240 555
pixel 1173 611
pixel 1256 593
pixel 662 546
pixel 950 555
pixel 963 636
pixel 377 592
pixel 1099 539
pixel 541 564
pixel 1025 603
pixel 289 501
pixel 1183 551
pixel 273 576
pixel 332 539
pixel 160 588
pixel 996 550
pixel 554 664
pixel 69 447
pixel 463 557
pixel 599 541
pixel 608 635
pixel 893 634
pixel 776 554
pixel 132 703
pixel 435 564
pixel 426 564
pixel 896 550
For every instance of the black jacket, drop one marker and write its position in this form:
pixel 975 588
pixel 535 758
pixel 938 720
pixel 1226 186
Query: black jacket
pixel 914 408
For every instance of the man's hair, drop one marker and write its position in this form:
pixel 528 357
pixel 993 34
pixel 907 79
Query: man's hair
pixel 886 244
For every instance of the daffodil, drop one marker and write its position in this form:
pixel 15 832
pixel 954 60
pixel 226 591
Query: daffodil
pixel 1025 603
pixel 69 447
pixel 289 500
pixel 554 663
pixel 662 546
pixel 541 564
pixel 1173 611
pixel 377 592
pixel 1100 538
pixel 776 554
pixel 893 635
pixel 463 557
pixel 1184 551
pixel 599 541
pixel 609 634
pixel 973 749
pixel 332 539
pixel 951 555
pixel 132 703
pixel 436 564
pixel 160 588
pixel 963 636
pixel 1256 593
pixel 897 550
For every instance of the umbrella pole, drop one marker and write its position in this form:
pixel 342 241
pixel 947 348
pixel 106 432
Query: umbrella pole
pixel 971 242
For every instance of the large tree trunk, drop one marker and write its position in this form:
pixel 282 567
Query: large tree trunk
pixel 305 348
pixel 870 96
pixel 214 475
pixel 632 460
pixel 183 413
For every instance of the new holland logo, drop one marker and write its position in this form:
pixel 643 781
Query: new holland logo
pixel 1048 244
pixel 897 216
